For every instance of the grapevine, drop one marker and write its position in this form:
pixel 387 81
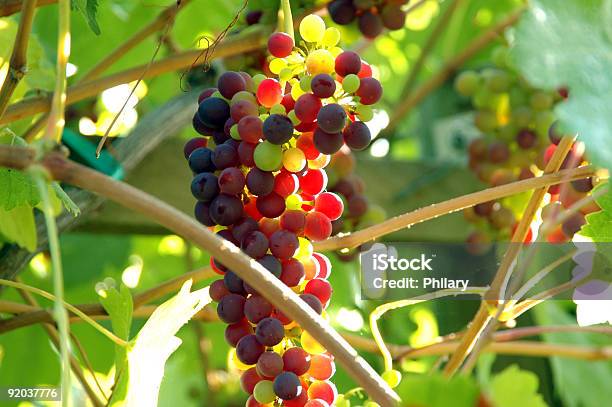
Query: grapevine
pixel 260 182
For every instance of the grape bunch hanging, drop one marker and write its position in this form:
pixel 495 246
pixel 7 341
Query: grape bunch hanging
pixel 372 16
pixel 519 137
pixel 263 187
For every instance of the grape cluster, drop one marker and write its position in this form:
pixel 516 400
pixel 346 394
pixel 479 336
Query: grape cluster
pixel 263 187
pixel 372 15
pixel 519 136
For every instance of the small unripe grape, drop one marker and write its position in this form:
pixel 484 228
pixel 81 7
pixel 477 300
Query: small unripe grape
pixel 264 392
pixel 268 156
pixel 310 345
pixel 350 83
pixel 467 83
pixel 331 37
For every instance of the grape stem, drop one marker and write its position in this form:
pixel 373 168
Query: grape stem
pixel 452 205
pixel 252 272
pixel 18 63
pixel 382 309
pixel 287 19
pixel 10 7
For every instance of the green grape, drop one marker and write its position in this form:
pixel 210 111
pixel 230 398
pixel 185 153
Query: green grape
pixel 243 95
pixel 331 37
pixel 268 156
pixel 264 392
pixel 500 57
pixel 522 116
pixel 485 99
pixel 392 377
pixel 517 96
pixel 257 79
pixel 365 112
pixel 485 121
pixel 312 28
pixel 342 401
pixel 543 121
pixel 305 82
pixel 294 202
pixel 278 109
pixel 285 74
pixel 507 132
pixel 541 101
pixel 370 403
pixel 496 80
pixel 350 83
pixel 291 115
pixel 467 83
pixel 234 132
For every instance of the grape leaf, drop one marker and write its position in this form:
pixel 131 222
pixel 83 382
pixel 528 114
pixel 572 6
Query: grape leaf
pixel 147 354
pixel 569 43
pixel 504 386
pixel 580 383
pixel 89 9
pixel 17 225
pixel 16 187
pixel 599 224
pixel 119 306
pixel 438 391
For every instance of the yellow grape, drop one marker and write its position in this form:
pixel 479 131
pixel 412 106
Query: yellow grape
pixel 277 65
pixel 312 28
pixel 320 61
pixel 293 202
pixel 319 162
pixel 286 74
pixel 335 51
pixel 305 249
pixel 310 344
pixel 294 159
pixel 331 38
pixel 296 90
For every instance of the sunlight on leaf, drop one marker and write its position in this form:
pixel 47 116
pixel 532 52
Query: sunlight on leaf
pixel 504 388
pixel 140 379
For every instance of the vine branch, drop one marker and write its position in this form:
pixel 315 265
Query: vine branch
pixel 18 63
pixel 10 7
pixel 232 46
pixel 452 205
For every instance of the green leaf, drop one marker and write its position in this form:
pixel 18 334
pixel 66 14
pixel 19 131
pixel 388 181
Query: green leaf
pixel 438 391
pixel 141 377
pixel 17 225
pixel 89 9
pixel 16 187
pixel 568 43
pixel 515 387
pixel 599 224
pixel 119 306
pixel 580 383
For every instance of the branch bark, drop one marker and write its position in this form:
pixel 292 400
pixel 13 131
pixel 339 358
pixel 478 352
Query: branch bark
pixel 18 63
pixel 252 272
pixel 160 124
pixel 231 46
pixel 450 206
pixel 10 7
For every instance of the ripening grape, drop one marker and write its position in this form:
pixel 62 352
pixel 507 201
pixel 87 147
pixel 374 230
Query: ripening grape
pixel 280 45
pixel 268 156
pixel 320 61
